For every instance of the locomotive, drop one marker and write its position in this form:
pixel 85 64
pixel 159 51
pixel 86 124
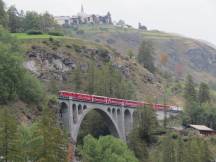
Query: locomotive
pixel 114 101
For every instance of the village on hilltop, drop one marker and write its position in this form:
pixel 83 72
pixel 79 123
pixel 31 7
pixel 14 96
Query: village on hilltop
pixel 84 18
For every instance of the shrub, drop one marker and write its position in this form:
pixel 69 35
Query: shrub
pixel 68 46
pixel 107 149
pixel 55 33
pixel 31 89
pixel 51 39
pixel 80 32
pixel 34 32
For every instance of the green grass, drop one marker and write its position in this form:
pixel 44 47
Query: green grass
pixel 27 36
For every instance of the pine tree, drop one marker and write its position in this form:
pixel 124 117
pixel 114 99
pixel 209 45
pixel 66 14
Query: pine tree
pixel 190 93
pixel 145 56
pixel 204 94
pixel 8 135
pixel 146 123
pixel 29 143
pixel 3 14
pixel 14 21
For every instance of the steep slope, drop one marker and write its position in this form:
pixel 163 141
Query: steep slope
pixel 55 60
pixel 185 55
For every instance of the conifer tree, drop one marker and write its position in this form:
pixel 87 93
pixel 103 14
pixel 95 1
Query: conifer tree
pixel 8 135
pixel 3 14
pixel 204 94
pixel 91 78
pixel 29 143
pixel 190 93
pixel 145 55
pixel 78 78
pixel 54 141
pixel 168 150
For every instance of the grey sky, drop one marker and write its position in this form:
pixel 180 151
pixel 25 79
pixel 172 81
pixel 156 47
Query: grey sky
pixel 192 18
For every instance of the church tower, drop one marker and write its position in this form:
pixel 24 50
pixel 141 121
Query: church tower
pixel 82 9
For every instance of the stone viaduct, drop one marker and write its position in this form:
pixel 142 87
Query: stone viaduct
pixel 119 119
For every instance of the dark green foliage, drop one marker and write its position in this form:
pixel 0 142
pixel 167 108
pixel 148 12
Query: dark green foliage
pixel 14 79
pixel 198 109
pixel 180 150
pixel 31 89
pixel 104 80
pixel 31 21
pixel 3 14
pixel 190 93
pixel 15 20
pixel 144 131
pixel 107 149
pixel 146 124
pixel 55 33
pixel 168 150
pixel 54 141
pixel 204 94
pixel 34 32
pixel 43 141
pixel 28 143
pixel 8 135
pixel 145 56
pixel 38 22
pixel 11 70
pixel 138 145
pixel 47 22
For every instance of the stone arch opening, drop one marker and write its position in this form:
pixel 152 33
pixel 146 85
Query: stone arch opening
pixel 80 109
pixel 64 115
pixel 106 120
pixel 74 113
pixel 84 107
pixel 114 113
pixel 127 122
pixel 109 110
pixel 119 118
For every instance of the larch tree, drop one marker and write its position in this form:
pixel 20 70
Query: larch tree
pixel 54 140
pixel 8 135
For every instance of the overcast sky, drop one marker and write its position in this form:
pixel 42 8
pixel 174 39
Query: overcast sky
pixel 191 18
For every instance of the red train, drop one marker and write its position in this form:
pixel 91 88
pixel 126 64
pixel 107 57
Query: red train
pixel 112 101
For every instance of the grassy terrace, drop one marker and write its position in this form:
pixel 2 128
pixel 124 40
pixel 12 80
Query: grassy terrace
pixel 67 40
pixel 92 29
pixel 40 36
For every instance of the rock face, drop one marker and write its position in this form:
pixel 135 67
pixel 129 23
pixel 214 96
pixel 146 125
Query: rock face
pixel 188 56
pixel 41 62
pixel 46 63
pixel 203 59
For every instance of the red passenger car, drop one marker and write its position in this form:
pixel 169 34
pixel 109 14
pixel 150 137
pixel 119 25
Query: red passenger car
pixel 113 101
